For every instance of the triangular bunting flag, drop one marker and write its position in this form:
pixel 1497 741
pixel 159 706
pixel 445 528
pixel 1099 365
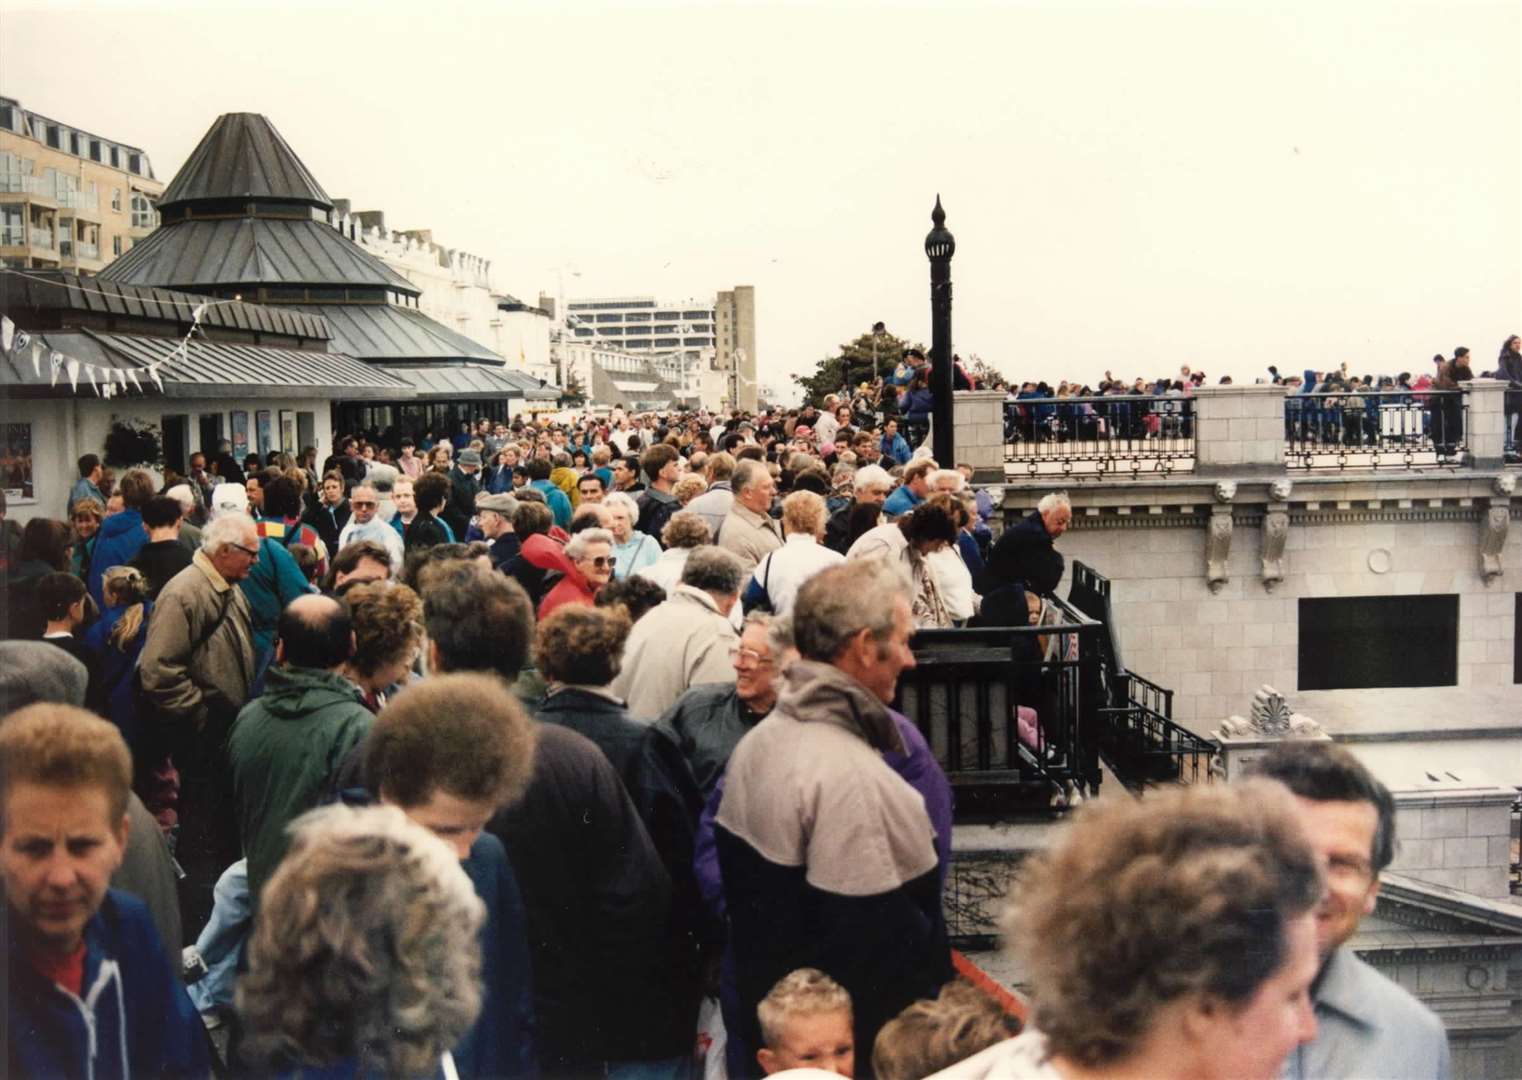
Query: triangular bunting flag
pixel 90 371
pixel 37 359
pixel 7 333
pixel 153 373
pixel 200 310
pixel 72 367
pixel 129 373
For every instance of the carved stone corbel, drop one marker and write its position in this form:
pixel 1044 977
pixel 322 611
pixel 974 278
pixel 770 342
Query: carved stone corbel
pixel 1275 533
pixel 1494 527
pixel 1218 538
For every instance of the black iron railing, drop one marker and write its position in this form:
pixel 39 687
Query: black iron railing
pixel 1376 430
pixel 1125 434
pixel 1142 745
pixel 1007 708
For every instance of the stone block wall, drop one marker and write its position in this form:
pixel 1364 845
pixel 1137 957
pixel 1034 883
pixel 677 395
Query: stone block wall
pixel 1214 647
pixel 1461 840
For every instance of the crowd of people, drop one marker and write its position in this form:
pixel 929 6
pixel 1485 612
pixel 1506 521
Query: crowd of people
pixel 566 747
pixel 1322 408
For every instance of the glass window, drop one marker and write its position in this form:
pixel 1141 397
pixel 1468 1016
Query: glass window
pixel 116 199
pixel 94 149
pixel 7 118
pixel 135 162
pixel 74 144
pixel 52 135
pixel 116 244
pixel 1356 642
pixel 116 161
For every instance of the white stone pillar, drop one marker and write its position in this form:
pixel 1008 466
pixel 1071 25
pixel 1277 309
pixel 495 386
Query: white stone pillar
pixel 978 416
pixel 1486 429
pixel 1238 429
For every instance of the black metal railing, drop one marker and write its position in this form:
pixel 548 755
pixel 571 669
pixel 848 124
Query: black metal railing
pixel 1142 745
pixel 1376 430
pixel 1138 739
pixel 1009 712
pixel 1113 434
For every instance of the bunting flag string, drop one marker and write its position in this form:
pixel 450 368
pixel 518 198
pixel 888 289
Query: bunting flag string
pixel 107 380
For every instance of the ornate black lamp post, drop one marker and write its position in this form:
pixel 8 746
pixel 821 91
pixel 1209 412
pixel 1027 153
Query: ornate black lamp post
pixel 940 246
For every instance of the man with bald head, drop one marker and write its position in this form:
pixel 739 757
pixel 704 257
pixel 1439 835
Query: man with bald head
pixel 286 744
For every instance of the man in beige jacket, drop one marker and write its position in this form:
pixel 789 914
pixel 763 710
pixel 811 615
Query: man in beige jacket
pixel 748 530
pixel 686 640
pixel 196 668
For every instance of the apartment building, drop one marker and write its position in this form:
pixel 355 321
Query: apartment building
pixel 688 340
pixel 69 199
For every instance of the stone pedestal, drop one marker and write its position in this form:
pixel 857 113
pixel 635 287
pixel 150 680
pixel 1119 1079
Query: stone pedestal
pixel 1486 431
pixel 1239 430
pixel 1244 740
pixel 978 416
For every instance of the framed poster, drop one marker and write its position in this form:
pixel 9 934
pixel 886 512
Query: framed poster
pixel 288 431
pixel 16 460
pixel 262 432
pixel 240 436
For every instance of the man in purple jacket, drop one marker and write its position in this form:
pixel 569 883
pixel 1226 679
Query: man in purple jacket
pixel 833 827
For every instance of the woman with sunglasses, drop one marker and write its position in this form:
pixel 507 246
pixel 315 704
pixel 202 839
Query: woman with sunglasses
pixel 586 565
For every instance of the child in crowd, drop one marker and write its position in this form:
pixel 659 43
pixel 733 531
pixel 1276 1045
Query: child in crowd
pixel 930 1036
pixel 307 561
pixel 806 1024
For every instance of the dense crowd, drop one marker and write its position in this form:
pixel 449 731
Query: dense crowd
pixel 566 747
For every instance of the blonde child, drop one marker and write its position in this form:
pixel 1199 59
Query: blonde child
pixel 806 1024
pixel 930 1036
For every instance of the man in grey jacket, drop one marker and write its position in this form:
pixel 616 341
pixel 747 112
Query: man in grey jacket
pixel 1366 1024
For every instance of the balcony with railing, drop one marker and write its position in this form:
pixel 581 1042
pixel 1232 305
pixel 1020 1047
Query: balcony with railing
pixel 1375 430
pixel 27 184
pixel 12 235
pixel 1021 718
pixel 1237 431
pixel 1121 434
pixel 40 237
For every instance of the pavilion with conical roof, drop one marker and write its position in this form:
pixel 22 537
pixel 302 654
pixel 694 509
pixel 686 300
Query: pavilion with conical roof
pixel 244 217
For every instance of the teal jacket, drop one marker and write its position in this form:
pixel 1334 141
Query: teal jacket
pixel 274 582
pixel 284 749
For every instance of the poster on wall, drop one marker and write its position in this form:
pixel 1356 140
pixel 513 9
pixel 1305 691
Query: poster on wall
pixel 240 435
pixel 16 460
pixel 262 432
pixel 288 431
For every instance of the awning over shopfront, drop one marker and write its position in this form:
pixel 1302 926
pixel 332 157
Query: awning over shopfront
pixel 471 382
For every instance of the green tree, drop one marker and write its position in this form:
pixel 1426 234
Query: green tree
pixel 574 393
pixel 852 365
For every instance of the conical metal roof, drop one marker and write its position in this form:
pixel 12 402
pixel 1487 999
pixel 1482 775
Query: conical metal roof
pixel 196 254
pixel 244 157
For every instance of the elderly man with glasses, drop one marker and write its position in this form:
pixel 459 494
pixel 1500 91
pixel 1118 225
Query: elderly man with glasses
pixel 197 668
pixel 366 524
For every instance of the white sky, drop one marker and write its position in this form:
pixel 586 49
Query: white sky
pixel 1132 185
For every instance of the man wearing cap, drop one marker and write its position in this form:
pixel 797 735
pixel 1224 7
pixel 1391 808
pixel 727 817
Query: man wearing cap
pixel 465 482
pixel 366 524
pixel 494 514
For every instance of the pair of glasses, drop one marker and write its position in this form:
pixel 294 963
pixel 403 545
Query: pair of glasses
pixel 252 553
pixel 750 656
pixel 600 561
pixel 362 502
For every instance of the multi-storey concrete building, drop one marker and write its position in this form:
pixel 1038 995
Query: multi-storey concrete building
pixel 689 340
pixel 735 334
pixel 69 199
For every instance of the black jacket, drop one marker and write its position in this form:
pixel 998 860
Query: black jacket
pixel 1026 554
pixel 461 507
pixel 599 913
pixel 160 560
pixel 709 721
pixel 329 521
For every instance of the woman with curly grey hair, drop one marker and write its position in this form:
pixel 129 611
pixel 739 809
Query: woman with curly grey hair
pixel 1170 937
pixel 364 960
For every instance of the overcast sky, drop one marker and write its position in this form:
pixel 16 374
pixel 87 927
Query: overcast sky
pixel 1132 185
